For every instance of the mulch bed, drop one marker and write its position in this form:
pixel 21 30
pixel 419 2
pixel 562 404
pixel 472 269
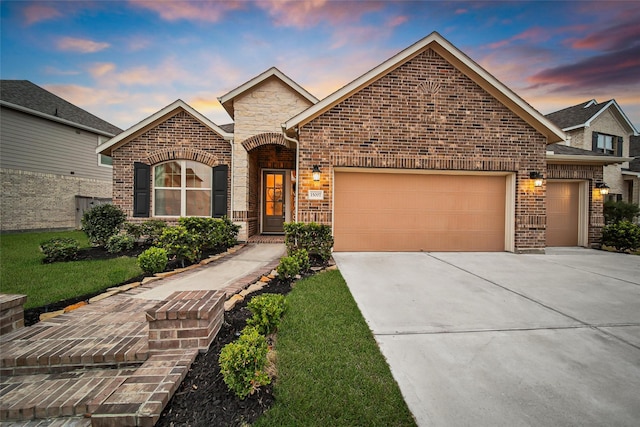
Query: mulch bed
pixel 203 398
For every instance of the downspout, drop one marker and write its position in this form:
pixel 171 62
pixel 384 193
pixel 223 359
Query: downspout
pixel 231 193
pixel 284 133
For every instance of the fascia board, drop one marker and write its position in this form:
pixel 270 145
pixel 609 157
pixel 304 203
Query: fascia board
pixel 54 118
pixel 434 40
pixel 568 158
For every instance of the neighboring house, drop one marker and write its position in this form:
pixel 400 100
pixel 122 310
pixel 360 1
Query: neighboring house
pixel 425 152
pixel 49 170
pixel 633 172
pixel 603 128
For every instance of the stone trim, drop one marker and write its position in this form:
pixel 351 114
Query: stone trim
pixel 269 138
pixel 422 162
pixel 182 153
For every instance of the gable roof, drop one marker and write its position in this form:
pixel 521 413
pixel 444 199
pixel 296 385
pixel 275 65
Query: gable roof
pixel 581 115
pixel 22 95
pixel 459 60
pixel 159 117
pixel 227 99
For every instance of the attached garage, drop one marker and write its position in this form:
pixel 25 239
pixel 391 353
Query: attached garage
pixel 563 213
pixel 419 212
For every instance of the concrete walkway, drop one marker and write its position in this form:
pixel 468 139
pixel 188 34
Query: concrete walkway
pixel 490 339
pixel 106 364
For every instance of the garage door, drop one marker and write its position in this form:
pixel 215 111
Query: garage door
pixel 562 213
pixel 418 212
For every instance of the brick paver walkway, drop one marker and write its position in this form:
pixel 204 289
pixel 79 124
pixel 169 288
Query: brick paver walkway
pixel 93 366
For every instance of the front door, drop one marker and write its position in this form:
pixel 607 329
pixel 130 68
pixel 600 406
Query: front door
pixel 273 197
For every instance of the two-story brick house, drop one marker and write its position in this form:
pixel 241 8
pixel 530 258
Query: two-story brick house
pixel 426 151
pixel 603 128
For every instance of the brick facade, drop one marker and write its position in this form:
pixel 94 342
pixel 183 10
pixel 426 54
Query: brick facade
pixel 425 114
pixel 178 137
pixel 40 201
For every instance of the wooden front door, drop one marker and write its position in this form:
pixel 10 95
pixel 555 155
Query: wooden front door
pixel 273 196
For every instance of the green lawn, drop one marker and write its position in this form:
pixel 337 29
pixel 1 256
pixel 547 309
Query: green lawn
pixel 330 369
pixel 22 271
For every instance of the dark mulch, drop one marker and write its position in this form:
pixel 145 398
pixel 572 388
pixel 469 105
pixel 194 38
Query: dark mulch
pixel 203 398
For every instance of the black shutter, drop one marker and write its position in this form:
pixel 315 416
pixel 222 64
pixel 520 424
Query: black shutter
pixel 594 141
pixel 219 191
pixel 619 146
pixel 141 190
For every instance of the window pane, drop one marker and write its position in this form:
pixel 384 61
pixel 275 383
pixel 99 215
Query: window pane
pixel 198 203
pixel 198 175
pixel 168 175
pixel 167 202
pixel 106 160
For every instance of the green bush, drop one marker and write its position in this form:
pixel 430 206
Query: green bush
pixel 315 238
pixel 153 260
pixel 101 222
pixel 152 230
pixel 302 257
pixel 615 212
pixel 180 243
pixel 288 268
pixel 213 233
pixel 120 243
pixel 623 236
pixel 133 229
pixel 60 249
pixel 243 362
pixel 267 311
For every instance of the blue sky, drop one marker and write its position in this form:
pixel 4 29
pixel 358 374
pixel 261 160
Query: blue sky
pixel 125 60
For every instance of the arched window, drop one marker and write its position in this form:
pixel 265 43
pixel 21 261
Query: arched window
pixel 182 188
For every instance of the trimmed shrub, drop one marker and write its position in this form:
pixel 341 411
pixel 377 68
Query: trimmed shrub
pixel 120 243
pixel 101 222
pixel 60 249
pixel 180 243
pixel 302 257
pixel 153 260
pixel 133 229
pixel 623 236
pixel 315 238
pixel 243 362
pixel 267 312
pixel 152 230
pixel 288 268
pixel 213 233
pixel 615 212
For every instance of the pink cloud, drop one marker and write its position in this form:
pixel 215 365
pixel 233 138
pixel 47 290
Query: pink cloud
pixel 397 20
pixel 101 68
pixel 205 11
pixel 40 12
pixel 72 44
pixel 534 35
pixel 611 38
pixel 303 14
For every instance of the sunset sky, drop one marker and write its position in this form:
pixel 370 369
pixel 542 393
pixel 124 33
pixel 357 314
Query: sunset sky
pixel 125 60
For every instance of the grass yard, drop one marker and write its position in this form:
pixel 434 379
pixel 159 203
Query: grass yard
pixel 22 271
pixel 330 369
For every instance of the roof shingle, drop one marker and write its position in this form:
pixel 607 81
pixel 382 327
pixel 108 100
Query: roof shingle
pixel 576 115
pixel 28 95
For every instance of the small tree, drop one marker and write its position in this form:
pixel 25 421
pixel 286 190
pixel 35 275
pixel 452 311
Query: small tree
pixel 101 222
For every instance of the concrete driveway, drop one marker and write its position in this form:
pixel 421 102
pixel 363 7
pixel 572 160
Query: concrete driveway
pixel 498 339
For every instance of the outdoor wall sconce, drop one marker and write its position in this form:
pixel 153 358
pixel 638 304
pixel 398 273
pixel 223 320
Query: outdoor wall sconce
pixel 604 188
pixel 537 178
pixel 316 173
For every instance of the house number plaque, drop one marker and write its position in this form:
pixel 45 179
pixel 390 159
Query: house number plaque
pixel 316 194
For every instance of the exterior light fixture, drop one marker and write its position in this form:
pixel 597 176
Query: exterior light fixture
pixel 537 178
pixel 316 173
pixel 604 188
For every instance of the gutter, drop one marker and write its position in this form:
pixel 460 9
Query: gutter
pixel 284 133
pixel 568 158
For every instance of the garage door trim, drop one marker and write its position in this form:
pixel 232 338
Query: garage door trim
pixel 510 189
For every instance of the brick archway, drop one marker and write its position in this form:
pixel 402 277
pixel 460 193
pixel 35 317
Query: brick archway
pixel 270 138
pixel 183 153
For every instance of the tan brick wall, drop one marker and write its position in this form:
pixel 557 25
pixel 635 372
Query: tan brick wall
pixel 593 174
pixel 35 201
pixel 425 115
pixel 261 110
pixel 178 137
